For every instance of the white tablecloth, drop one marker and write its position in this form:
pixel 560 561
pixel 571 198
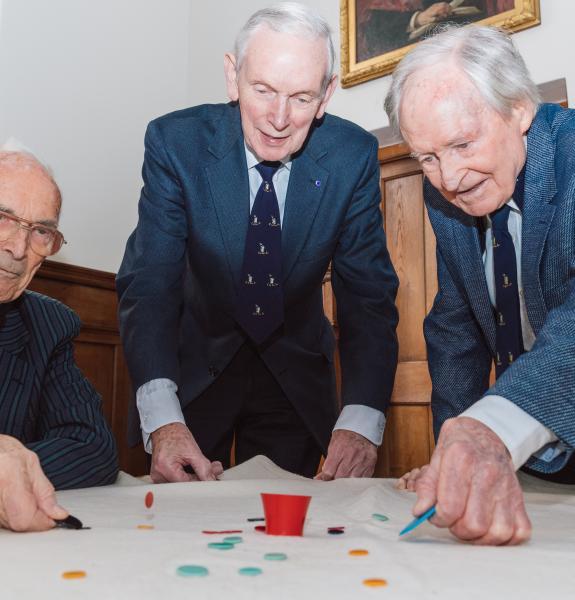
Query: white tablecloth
pixel 123 562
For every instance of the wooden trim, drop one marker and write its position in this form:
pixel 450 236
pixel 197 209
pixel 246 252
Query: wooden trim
pixel 58 271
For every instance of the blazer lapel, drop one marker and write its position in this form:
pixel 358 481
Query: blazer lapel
pixel 540 189
pixel 306 188
pixel 466 235
pixel 228 180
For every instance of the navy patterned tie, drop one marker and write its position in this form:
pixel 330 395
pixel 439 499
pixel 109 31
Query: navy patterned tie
pixel 509 339
pixel 260 309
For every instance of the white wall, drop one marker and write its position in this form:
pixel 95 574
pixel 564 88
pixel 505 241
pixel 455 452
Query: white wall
pixel 79 80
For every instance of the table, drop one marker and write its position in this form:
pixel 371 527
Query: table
pixel 124 562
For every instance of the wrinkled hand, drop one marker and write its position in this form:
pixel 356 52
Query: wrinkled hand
pixel 349 455
pixel 436 12
pixel 173 448
pixel 408 480
pixel 27 499
pixel 472 481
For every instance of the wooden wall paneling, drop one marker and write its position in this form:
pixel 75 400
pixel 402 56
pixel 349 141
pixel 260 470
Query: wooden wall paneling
pixel 408 438
pixel 407 442
pixel 405 221
pixel 96 360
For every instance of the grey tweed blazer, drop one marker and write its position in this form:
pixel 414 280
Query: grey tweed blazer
pixel 460 328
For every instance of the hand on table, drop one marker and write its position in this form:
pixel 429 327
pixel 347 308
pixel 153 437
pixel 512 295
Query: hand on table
pixel 173 448
pixel 472 481
pixel 27 499
pixel 349 455
pixel 409 479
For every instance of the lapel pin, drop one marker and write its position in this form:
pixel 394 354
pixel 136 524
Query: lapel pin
pixel 317 183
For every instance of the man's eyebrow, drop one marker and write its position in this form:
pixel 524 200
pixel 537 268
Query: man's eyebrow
pixel 298 93
pixel 47 222
pixel 418 155
pixel 260 82
pixel 457 140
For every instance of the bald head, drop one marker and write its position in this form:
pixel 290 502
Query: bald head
pixel 22 164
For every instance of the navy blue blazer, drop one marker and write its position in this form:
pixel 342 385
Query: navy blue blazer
pixel 460 329
pixel 46 402
pixel 181 271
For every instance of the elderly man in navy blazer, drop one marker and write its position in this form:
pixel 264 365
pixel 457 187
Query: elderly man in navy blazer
pixel 500 190
pixel 243 207
pixel 52 431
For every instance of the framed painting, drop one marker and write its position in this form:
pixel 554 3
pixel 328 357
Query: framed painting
pixel 375 34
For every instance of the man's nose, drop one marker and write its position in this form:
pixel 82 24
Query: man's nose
pixel 280 113
pixel 17 243
pixel 451 173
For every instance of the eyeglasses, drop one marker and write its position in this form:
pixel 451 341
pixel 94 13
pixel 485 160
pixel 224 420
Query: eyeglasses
pixel 43 239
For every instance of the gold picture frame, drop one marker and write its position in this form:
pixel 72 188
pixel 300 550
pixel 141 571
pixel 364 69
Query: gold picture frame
pixel 364 62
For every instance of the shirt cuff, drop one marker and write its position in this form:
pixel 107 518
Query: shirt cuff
pixel 519 431
pixel 364 420
pixel 158 405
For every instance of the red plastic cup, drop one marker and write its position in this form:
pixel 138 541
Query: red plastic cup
pixel 285 513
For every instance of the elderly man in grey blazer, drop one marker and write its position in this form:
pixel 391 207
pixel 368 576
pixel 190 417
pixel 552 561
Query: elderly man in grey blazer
pixel 500 190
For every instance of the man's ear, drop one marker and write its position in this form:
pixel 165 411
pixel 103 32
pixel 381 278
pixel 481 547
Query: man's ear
pixel 231 77
pixel 326 97
pixel 524 114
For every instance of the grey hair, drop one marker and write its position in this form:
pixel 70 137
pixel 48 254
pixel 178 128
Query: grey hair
pixel 288 17
pixel 23 160
pixel 486 55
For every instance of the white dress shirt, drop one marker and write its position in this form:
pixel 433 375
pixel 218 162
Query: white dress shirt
pixel 157 400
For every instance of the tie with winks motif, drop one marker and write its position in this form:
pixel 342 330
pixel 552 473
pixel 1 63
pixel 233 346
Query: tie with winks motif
pixel 509 339
pixel 260 309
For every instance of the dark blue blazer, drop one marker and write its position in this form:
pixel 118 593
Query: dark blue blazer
pixel 460 329
pixel 46 402
pixel 181 271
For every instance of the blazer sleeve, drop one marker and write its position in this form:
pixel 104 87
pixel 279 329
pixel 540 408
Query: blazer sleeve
pixel 75 445
pixel 365 287
pixel 459 360
pixel 150 280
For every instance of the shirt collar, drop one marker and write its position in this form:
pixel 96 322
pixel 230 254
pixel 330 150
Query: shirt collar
pixel 253 160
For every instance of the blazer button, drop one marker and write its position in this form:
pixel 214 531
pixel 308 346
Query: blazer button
pixel 213 371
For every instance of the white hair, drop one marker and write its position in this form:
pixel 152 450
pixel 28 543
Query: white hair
pixel 486 55
pixel 288 17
